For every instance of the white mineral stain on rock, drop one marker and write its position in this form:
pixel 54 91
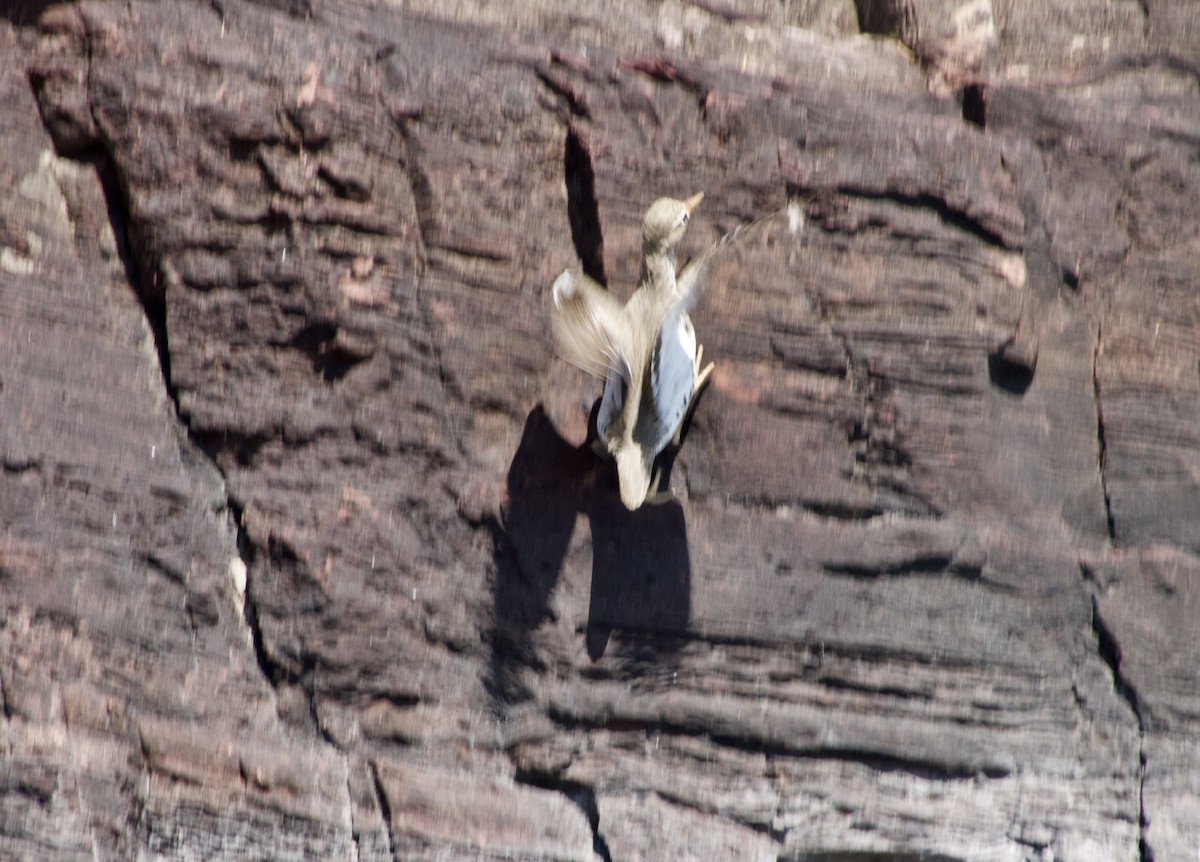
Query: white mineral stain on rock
pixel 15 263
pixel 795 217
pixel 237 574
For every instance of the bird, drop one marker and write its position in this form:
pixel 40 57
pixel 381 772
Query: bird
pixel 645 351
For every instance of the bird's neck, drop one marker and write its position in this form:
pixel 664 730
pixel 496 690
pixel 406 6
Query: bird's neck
pixel 658 266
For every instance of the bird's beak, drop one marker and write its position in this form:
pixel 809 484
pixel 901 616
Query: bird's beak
pixel 693 202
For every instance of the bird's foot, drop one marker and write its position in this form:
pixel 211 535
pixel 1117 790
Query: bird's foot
pixel 660 497
pixel 657 496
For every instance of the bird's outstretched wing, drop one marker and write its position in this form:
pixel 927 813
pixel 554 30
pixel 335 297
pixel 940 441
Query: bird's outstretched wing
pixel 586 321
pixel 691 276
pixel 672 379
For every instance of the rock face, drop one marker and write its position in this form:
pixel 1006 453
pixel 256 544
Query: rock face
pixel 304 553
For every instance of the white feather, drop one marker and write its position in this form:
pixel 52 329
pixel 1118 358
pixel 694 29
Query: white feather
pixel 587 328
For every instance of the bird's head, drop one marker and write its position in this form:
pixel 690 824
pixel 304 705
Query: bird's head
pixel 666 221
pixel 633 472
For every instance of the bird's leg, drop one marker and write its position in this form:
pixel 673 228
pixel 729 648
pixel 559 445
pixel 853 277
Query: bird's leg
pixel 701 376
pixel 657 495
pixel 701 379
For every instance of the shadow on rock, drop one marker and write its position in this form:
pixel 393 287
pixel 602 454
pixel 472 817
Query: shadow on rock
pixel 641 571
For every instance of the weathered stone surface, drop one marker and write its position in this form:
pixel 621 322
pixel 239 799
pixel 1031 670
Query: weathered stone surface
pixel 304 552
pixel 433 810
pixel 644 826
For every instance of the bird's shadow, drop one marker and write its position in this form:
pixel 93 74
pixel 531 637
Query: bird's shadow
pixel 641 570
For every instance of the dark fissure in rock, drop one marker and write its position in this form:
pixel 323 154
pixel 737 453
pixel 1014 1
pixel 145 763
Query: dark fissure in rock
pixel 582 209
